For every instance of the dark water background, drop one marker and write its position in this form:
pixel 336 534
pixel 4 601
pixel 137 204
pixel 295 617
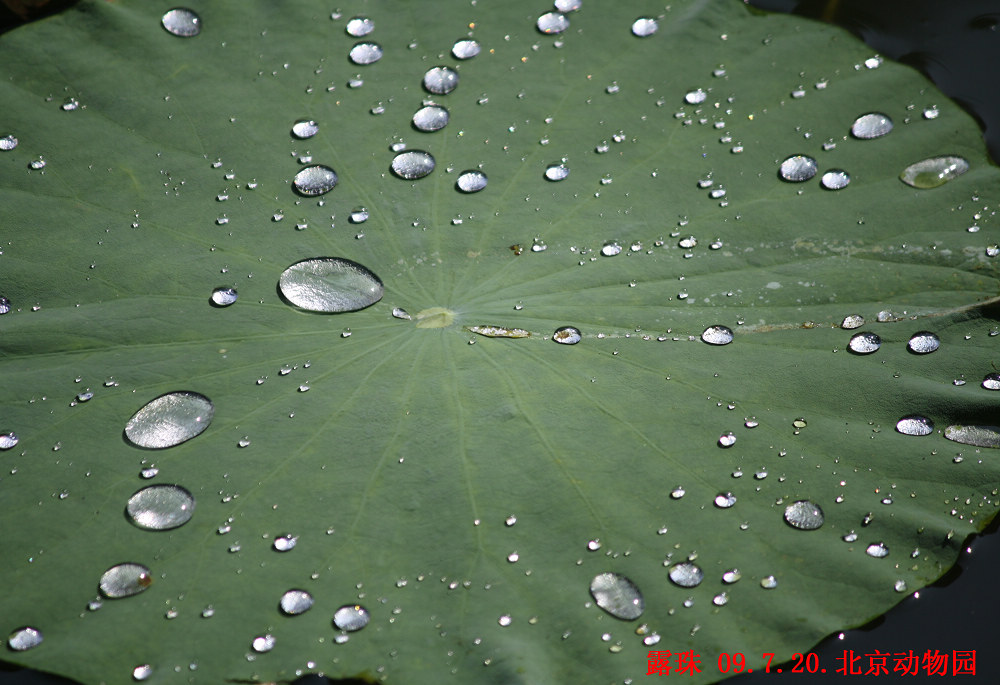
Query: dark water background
pixel 956 43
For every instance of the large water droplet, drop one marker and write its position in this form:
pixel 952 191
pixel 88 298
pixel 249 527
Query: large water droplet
pixel 471 181
pixel 182 22
pixel 992 381
pixel 853 321
pixel 24 638
pixel 617 595
pixel 864 343
pixel 295 602
pixel 556 172
pixel 351 617
pixel 915 425
pixel 871 125
pixel 305 128
pixel 161 507
pixel 644 26
pixel 923 342
pixel 365 53
pixel 933 172
pixel 430 118
pixel 315 180
pixel 568 5
pixel 797 168
pixel 440 80
pixel 412 164
pixel 686 574
pixel 465 49
pixel 567 335
pixel 169 420
pixel 552 22
pixel 360 26
pixel 877 550
pixel 125 580
pixel 717 335
pixel 330 284
pixel 835 179
pixel 224 296
pixel 804 515
pixel 8 142
pixel 978 436
pixel 8 439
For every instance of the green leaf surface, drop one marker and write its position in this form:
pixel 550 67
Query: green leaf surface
pixel 466 489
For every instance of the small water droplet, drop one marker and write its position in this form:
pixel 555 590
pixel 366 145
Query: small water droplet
pixel 871 125
pixel 471 181
pixel 864 343
pixel 8 439
pixel 797 168
pixel 567 335
pixel 835 179
pixel 677 493
pixel 305 128
pixel 611 249
pixel 933 172
pixel 440 80
pixel 8 142
pixel 877 550
pixel 695 97
pixel 731 576
pixel 686 574
pixel 804 515
pixel 556 172
pixel 161 507
pixel 644 26
pixel 359 26
pixel 142 672
pixel 295 602
pixel 915 425
pixel 769 582
pixel 285 543
pixel 727 440
pixel 717 335
pixel 351 617
pixel 992 381
pixel 315 180
pixel 853 321
pixel 125 580
pixel 504 620
pixel 617 595
pixel 724 500
pixel 978 436
pixel 263 643
pixel 850 537
pixel 899 586
pixel 412 164
pixel 148 473
pixel 465 49
pixel 169 420
pixel 552 22
pixel 182 22
pixel 330 284
pixel 430 118
pixel 37 163
pixel 24 638
pixel 223 296
pixel 365 53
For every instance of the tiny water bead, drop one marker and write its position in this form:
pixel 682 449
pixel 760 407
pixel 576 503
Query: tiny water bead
pixel 915 425
pixel 835 179
pixel 686 574
pixel 412 164
pixel 617 595
pixel 933 172
pixel 8 439
pixel 223 296
pixel 430 118
pixel 169 420
pixel 804 515
pixel 567 335
pixel 864 343
pixel 161 507
pixel 471 181
pixel 871 125
pixel 182 22
pixel 978 436
pixel 305 128
pixel 359 26
pixel 295 602
pixel 330 284
pixel 315 180
pixel 351 617
pixel 440 80
pixel 556 172
pixel 923 342
pixel 644 26
pixel 24 638
pixel 365 53
pixel 797 168
pixel 552 22
pixel 717 335
pixel 125 580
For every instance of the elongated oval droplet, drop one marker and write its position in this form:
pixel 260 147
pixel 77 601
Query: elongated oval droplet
pixel 169 420
pixel 835 179
pixel 365 53
pixel 440 80
pixel 315 180
pixel 430 118
pixel 305 128
pixel 465 49
pixel 24 638
pixel 991 381
pixel 915 425
pixel 644 26
pixel 933 172
pixel 804 515
pixel 8 439
pixel 686 574
pixel 978 436
pixel 295 602
pixel 567 335
pixel 877 550
pixel 923 342
pixel 224 296
pixel 717 335
pixel 182 22
pixel 864 343
pixel 853 321
pixel 871 125
pixel 556 172
pixel 351 617
pixel 617 595
pixel 797 168
pixel 161 507
pixel 125 580
pixel 471 181
pixel 552 22
pixel 412 164
pixel 330 284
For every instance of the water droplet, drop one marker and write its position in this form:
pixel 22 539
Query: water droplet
pixel 412 164
pixel 978 436
pixel 769 582
pixel 835 179
pixel 305 128
pixel 151 472
pixel 440 80
pixel 169 420
pixel 552 23
pixel 365 53
pixel 727 440
pixel 933 172
pixel 717 335
pixel 617 595
pixel 644 26
pixel 992 381
pixel 471 181
pixel 611 249
pixel 223 296
pixel 915 425
pixel 677 493
pixel 923 342
pixel 295 602
pixel 24 638
pixel 853 321
pixel 686 574
pixel 504 620
pixel 4 304
pixel 465 49
pixel 797 168
pixel 731 576
pixel 556 172
pixel 899 586
pixel 567 335
pixel 8 439
pixel 37 163
pixel 351 617
pixel 864 343
pixel 568 5
pixel 315 180
pixel 877 550
pixel 161 507
pixel 724 500
pixel 593 545
pixel 8 142
pixel 804 515
pixel 182 22
pixel 360 26
pixel 430 118
pixel 285 543
pixel 330 284
pixel 125 580
pixel 263 643
pixel 141 672
pixel 871 125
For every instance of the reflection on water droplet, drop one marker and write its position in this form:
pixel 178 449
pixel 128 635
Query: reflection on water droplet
pixel 430 118
pixel 182 22
pixel 644 26
pixel 465 49
pixel 360 26
pixel 365 53
pixel 686 574
pixel 871 125
pixel 556 172
pixel 440 80
pixel 933 172
pixel 877 550
pixel 24 638
pixel 161 507
pixel 305 128
pixel 552 22
pixel 617 595
pixel 295 602
pixel 717 335
pixel 471 181
pixel 979 436
pixel 315 180
pixel 8 439
pixel 797 168
pixel 284 543
pixel 923 342
pixel 864 343
pixel 804 515
pixel 330 284
pixel 224 296
pixel 915 425
pixel 141 672
pixel 835 179
pixel 412 164
pixel 567 335
pixel 169 420
pixel 125 580
pixel 992 381
pixel 351 617
pixel 263 643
